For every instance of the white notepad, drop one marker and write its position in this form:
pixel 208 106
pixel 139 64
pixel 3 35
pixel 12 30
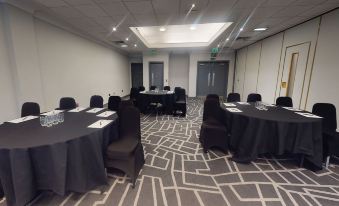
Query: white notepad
pixel 106 114
pixel 100 124
pixel 52 112
pixel 22 119
pixel 95 110
pixel 170 92
pixel 244 103
pixel 78 109
pixel 229 105
pixel 143 92
pixel 308 115
pixel 233 109
pixel 292 109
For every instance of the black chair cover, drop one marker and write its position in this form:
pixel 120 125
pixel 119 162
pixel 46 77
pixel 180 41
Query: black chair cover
pixel 213 96
pixel 233 97
pixel 114 103
pixel 168 88
pixel 284 102
pixel 152 88
pixel 67 103
pixel 254 97
pixel 30 108
pixel 96 101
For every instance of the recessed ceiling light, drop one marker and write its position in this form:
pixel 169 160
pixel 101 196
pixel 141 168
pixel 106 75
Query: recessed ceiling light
pixel 135 45
pixel 218 45
pixel 192 27
pixel 260 29
pixel 124 45
pixel 193 5
pixel 127 39
pixel 114 28
pixel 241 29
pixel 227 39
pixel 162 28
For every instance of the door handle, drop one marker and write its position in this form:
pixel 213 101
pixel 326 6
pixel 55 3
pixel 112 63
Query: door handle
pixel 209 78
pixel 213 79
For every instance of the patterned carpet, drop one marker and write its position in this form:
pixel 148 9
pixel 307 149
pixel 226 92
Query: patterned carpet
pixel 177 172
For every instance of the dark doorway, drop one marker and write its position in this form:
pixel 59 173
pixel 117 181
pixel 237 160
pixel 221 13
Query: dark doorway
pixel 137 74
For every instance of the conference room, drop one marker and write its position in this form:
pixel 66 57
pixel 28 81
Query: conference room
pixel 169 102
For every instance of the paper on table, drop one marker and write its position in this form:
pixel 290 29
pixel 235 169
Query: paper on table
pixel 269 105
pixel 170 92
pixel 106 114
pixel 143 92
pixel 78 109
pixel 100 124
pixel 52 112
pixel 229 104
pixel 95 110
pixel 308 115
pixel 23 119
pixel 244 103
pixel 292 109
pixel 233 110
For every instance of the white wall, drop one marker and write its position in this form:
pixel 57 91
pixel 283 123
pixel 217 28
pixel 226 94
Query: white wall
pixel 193 68
pixel 40 62
pixel 161 57
pixel 321 78
pixel 178 70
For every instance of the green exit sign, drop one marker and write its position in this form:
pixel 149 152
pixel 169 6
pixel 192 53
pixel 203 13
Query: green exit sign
pixel 215 50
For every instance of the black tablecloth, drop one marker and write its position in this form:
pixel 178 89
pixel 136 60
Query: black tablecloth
pixel 66 157
pixel 275 131
pixel 166 99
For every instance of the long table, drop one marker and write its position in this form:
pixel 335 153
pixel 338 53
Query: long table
pixel 62 158
pixel 275 131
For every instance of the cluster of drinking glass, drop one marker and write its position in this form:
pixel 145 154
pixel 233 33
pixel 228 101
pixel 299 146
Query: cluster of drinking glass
pixel 261 106
pixel 50 120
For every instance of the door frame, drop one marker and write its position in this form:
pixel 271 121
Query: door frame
pixel 206 61
pixel 149 71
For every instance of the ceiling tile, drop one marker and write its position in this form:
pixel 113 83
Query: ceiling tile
pixel 78 2
pixel 67 12
pixel 107 22
pixel 186 5
pixel 166 7
pixel 124 20
pixel 318 10
pixel 270 3
pixel 244 4
pixel 91 10
pixel 308 2
pixel 292 11
pixel 114 8
pixel 140 7
pixel 52 3
pixel 265 12
pixel 146 20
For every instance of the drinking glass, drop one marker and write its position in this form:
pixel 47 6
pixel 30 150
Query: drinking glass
pixel 43 121
pixel 62 117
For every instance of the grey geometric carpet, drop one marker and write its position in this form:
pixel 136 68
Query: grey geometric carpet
pixel 177 172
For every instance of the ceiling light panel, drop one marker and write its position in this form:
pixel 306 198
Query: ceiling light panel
pixel 180 35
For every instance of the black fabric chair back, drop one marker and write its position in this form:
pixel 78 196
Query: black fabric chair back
pixel 67 103
pixel 134 93
pixel 181 95
pixel 129 122
pixel 126 103
pixel 176 92
pixel 254 97
pixel 167 88
pixel 328 112
pixel 96 101
pixel 152 88
pixel 284 102
pixel 233 97
pixel 213 96
pixel 30 108
pixel 141 88
pixel 114 103
pixel 212 110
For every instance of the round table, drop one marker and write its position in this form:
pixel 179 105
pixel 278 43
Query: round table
pixel 275 131
pixel 166 98
pixel 62 158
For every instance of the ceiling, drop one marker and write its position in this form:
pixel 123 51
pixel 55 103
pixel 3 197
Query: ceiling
pixel 96 18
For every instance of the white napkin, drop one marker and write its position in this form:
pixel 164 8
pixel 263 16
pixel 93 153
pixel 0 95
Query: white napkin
pixel 233 110
pixel 229 104
pixel 170 92
pixel 22 119
pixel 292 109
pixel 100 124
pixel 78 109
pixel 308 115
pixel 52 112
pixel 244 103
pixel 106 114
pixel 95 110
pixel 143 92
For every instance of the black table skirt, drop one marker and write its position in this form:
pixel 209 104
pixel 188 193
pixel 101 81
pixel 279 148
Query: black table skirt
pixel 277 131
pixel 145 99
pixel 66 165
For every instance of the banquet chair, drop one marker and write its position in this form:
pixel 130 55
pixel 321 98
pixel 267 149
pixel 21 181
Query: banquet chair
pixel 126 153
pixel 180 103
pixel 67 103
pixel 233 97
pixel 96 101
pixel 284 102
pixel 30 108
pixel 134 94
pixel 329 127
pixel 141 88
pixel 152 87
pixel 213 96
pixel 114 103
pixel 213 132
pixel 167 88
pixel 253 97
pixel 1 191
pixel 176 92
